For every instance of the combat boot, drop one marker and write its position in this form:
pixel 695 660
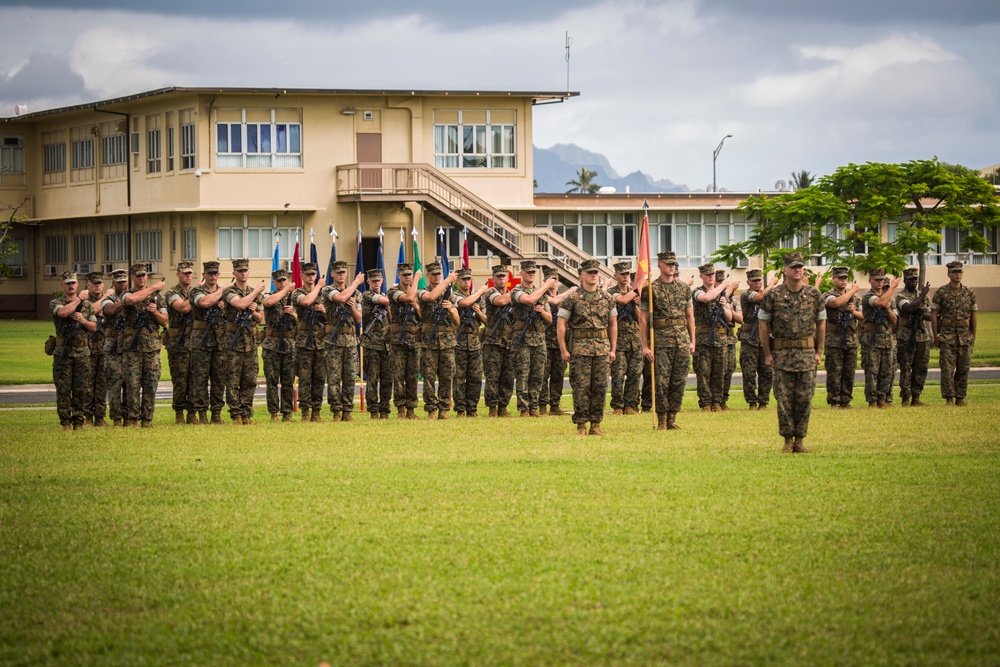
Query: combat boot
pixel 411 414
pixel 798 447
pixel 130 423
pixel 763 406
pixel 402 413
pixel 534 413
pixel 178 417
pixel 706 408
pixel 661 422
pixel 581 429
pixel 335 416
pixel 274 416
pixel 723 407
pixel 716 407
pixel 459 414
pixel 502 412
pixel 752 407
pixel 100 423
pixel 146 423
pixel 595 428
pixel 472 415
pixel 789 446
pixel 672 422
pixel 317 415
pixel 287 417
pixel 960 402
pixel 904 402
pixel 192 418
pixel 630 411
pixel 872 404
pixel 373 415
pixel 202 417
pixel 557 412
pixel 88 421
pixel 216 418
pixel 917 403
pixel 117 423
pixel 248 421
pixel 950 402
pixel 443 414
pixel 543 411
pixel 493 411
pixel 884 405
pixel 617 412
pixel 525 413
pixel 383 415
pixel 67 427
pixel 346 416
pixel 237 420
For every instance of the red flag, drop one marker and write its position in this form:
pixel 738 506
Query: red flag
pixel 644 260
pixel 296 267
pixel 465 252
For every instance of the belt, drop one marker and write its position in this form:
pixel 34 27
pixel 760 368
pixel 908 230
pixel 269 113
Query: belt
pixel 793 343
pixel 664 322
pixel 589 334
pixel 200 325
pixel 79 341
pixel 274 333
pixel 344 329
pixel 953 324
pixel 174 333
pixel 442 328
pixel 720 330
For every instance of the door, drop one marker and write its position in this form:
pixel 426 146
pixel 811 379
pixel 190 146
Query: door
pixel 369 150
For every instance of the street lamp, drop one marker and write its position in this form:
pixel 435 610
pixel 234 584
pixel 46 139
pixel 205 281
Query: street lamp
pixel 715 156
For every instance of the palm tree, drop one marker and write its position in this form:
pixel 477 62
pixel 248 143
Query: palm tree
pixel 585 182
pixel 801 179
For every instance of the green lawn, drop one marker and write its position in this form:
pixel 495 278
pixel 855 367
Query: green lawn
pixel 460 543
pixel 25 361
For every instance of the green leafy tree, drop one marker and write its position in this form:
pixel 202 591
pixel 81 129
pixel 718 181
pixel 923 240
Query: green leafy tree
pixel 801 179
pixel 585 182
pixel 9 216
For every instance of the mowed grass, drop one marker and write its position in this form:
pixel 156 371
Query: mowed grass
pixel 513 542
pixel 25 361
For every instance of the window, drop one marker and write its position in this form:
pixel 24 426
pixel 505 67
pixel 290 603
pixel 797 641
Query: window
pixel 170 148
pixel 187 139
pixel 475 139
pixel 115 247
pixel 17 256
pixel 453 240
pixel 258 243
pixel 149 245
pixel 53 158
pixel 257 138
pixel 114 150
pixel 230 242
pixel 189 243
pixel 154 146
pixel 55 250
pixel 84 248
pixel 12 161
pixel 82 153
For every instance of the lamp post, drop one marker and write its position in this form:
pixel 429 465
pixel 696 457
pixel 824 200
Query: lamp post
pixel 715 156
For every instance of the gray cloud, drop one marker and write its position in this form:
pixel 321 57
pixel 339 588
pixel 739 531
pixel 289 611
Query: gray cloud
pixel 862 12
pixel 44 76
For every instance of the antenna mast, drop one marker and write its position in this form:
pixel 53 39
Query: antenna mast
pixel 569 43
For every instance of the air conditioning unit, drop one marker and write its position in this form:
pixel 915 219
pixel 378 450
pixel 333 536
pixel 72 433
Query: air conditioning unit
pixel 51 269
pixel 107 268
pixel 13 142
pixel 83 268
pixel 742 263
pixel 151 267
pixel 17 271
pixel 286 264
pixel 134 143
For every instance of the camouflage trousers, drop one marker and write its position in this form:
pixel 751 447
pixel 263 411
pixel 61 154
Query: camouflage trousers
pixel 498 367
pixel 955 362
pixel 437 366
pixel 468 380
pixel 879 364
pixel 279 376
pixel 757 376
pixel 97 397
pixel 530 361
pixel 793 393
pixel 207 367
pixel 840 366
pixel 142 373
pixel 243 368
pixel 710 368
pixel 912 368
pixel 552 378
pixel 311 367
pixel 341 374
pixel 405 366
pixel 647 384
pixel 588 378
pixel 626 371
pixel 671 370
pixel 114 369
pixel 71 375
pixel 378 371
pixel 727 378
pixel 179 362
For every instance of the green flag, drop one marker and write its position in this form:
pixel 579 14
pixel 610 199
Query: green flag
pixel 417 266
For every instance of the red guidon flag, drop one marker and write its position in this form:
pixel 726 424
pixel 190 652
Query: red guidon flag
pixel 643 260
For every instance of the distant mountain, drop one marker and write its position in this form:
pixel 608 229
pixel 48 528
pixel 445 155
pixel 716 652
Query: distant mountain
pixel 561 163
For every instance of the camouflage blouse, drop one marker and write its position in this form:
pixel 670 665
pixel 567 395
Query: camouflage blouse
pixel 149 337
pixel 374 330
pixel 446 329
pixel 628 320
pixel 276 327
pixel 905 327
pixel 586 314
pixel 471 339
pixel 212 335
pixel 309 319
pixel 841 326
pixel 535 336
pixel 79 345
pixel 793 316
pixel 501 331
pixel 339 313
pixel 954 308
pixel 884 336
pixel 669 317
pixel 245 337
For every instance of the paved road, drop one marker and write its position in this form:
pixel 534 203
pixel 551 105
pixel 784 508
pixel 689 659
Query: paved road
pixel 33 394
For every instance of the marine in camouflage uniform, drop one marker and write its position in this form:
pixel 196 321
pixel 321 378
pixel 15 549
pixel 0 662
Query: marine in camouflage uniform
pixel 792 326
pixel 499 358
pixel 180 325
pixel 878 343
pixel 439 315
pixel 953 320
pixel 404 340
pixel 244 311
pixel 310 343
pixel 278 347
pixel 342 303
pixel 757 376
pixel 531 315
pixel 626 369
pixel 207 384
pixel 913 338
pixel 710 305
pixel 114 354
pixel 142 346
pixel 672 323
pixel 731 335
pixel 97 396
pixel 469 345
pixel 74 320
pixel 591 315
pixel 843 312
pixel 375 341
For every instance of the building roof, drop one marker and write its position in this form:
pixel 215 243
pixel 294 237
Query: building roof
pixel 633 201
pixel 538 97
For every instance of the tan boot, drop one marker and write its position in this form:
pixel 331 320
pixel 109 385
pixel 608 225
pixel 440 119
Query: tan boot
pixel 630 411
pixel 401 414
pixel 275 417
pixel 192 418
pixel 798 447
pixel 960 402
pixel 316 415
pixel 383 415
pixel 661 422
pixel 534 413
pixel 216 418
pixel 346 416
pixel 248 421
pixel 789 446
pixel 543 411
pixel 305 415
pixel 752 407
pixel 904 402
pixel 443 414
pixel 883 405
pixel 595 428
pixel 917 403
pixel 872 405
pixel 335 416
pixel 617 412
pixel 949 402
pixel 493 411
pixel 203 417
pixel 146 423
pixel 67 427
pixel 581 429
pixel 287 417
pixel 525 413
pixel 459 415
pixel 100 423
pixel 707 408
pixel 88 421
pixel 557 412
pixel 411 414
pixel 117 423
pixel 502 412
pixel 716 407
pixel 472 415
pixel 237 420
pixel 723 407
pixel 178 417
pixel 672 422
pixel 373 415
pixel 131 423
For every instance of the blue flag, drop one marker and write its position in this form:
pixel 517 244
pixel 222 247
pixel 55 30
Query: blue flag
pixel 443 254
pixel 381 261
pixel 333 258
pixel 402 255
pixel 274 260
pixel 360 263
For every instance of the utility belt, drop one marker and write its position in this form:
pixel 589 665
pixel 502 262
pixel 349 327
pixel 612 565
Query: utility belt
pixel 719 331
pixel 871 326
pixel 398 328
pixel 199 325
pixel 590 334
pixel 793 343
pixel 176 333
pixel 536 327
pixel 344 329
pixel 947 323
pixel 77 341
pixel 832 327
pixel 305 326
pixel 442 328
pixel 276 333
pixel 667 322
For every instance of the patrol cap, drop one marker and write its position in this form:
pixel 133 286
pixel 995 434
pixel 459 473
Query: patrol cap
pixel 876 274
pixel 667 257
pixel 67 277
pixel 279 274
pixel 464 273
pixel 529 265
pixel 955 266
pixel 839 272
pixel 309 269
pixel 623 267
pixel 95 277
pixel 240 264
pixel 433 269
pixel 794 259
pixel 720 275
pixel 137 269
pixel 119 276
pixel 589 265
pixel 550 272
pixel 185 267
pixel 754 274
pixel 373 274
pixel 707 269
pixel 911 272
pixel 339 266
pixel 210 266
pixel 499 271
pixel 404 269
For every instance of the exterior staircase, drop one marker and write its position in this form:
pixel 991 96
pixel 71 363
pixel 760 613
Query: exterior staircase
pixel 416 182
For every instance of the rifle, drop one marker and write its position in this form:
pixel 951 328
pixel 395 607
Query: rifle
pixel 244 320
pixel 343 314
pixel 916 324
pixel 879 317
pixel 211 321
pixel 119 330
pixel 185 320
pixel 718 319
pixel 379 314
pixel 503 317
pixel 409 317
pixel 844 320
pixel 144 321
pixel 626 314
pixel 285 324
pixel 753 335
pixel 70 330
pixel 529 322
pixel 437 317
pixel 468 319
pixel 313 318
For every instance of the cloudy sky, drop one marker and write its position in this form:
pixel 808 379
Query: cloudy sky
pixel 799 85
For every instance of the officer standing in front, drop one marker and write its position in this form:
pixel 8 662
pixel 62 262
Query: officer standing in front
pixel 74 321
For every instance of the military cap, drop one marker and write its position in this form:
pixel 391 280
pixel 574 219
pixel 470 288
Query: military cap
pixel 240 264
pixel 911 272
pixel 876 274
pixel 279 274
pixel 754 274
pixel 137 269
pixel 95 277
pixel 720 275
pixel 550 272
pixel 529 265
pixel 433 268
pixel 119 276
pixel 955 266
pixel 404 269
pixel 309 269
pixel 667 257
pixel 185 267
pixel 210 266
pixel 373 274
pixel 623 267
pixel 499 270
pixel 839 272
pixel 589 265
pixel 67 277
pixel 339 266
pixel 707 269
pixel 464 273
pixel 794 259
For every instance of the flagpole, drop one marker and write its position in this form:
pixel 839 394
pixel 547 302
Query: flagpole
pixel 361 331
pixel 649 292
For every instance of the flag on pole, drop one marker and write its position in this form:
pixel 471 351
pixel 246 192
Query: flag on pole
pixel 380 262
pixel 417 266
pixel 443 254
pixel 644 260
pixel 333 256
pixel 312 249
pixel 402 254
pixel 465 252
pixel 360 263
pixel 275 265
pixel 296 264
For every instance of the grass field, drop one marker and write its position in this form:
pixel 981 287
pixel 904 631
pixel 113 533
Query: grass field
pixel 25 362
pixel 461 543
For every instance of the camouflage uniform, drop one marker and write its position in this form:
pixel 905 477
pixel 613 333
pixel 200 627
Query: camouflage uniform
pixel 341 351
pixel 954 308
pixel 499 358
pixel 671 341
pixel 587 315
pixel 310 355
pixel 468 358
pixel 114 360
pixel 709 355
pixel 626 369
pixel 404 342
pixel 913 346
pixel 142 364
pixel 878 356
pixel 71 363
pixel 530 354
pixel 97 395
pixel 553 371
pixel 240 354
pixel 279 358
pixel 731 340
pixel 378 362
pixel 792 318
pixel 757 376
pixel 207 362
pixel 840 349
pixel 179 331
pixel 437 358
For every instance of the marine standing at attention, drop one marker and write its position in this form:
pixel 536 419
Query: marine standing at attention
pixel 953 320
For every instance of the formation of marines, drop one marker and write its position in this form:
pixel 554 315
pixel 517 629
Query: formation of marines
pixel 640 337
